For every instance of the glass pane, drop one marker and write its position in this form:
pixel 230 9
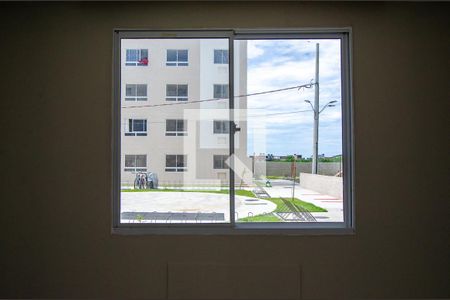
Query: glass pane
pixel 225 57
pixel 171 55
pixel 180 125
pixel 141 161
pixel 217 56
pixel 130 90
pixel 182 90
pixel 186 188
pixel 217 91
pixel 130 161
pixel 141 90
pixel 132 54
pixel 182 55
pixel 278 128
pixel 171 125
pixel 180 160
pixel 144 54
pixel 171 90
pixel 138 125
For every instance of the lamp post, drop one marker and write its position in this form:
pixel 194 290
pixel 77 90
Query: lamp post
pixel 317 112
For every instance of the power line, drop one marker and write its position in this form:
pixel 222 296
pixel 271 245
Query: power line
pixel 309 85
pixel 280 113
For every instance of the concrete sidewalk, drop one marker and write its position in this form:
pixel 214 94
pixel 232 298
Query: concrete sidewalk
pixel 181 204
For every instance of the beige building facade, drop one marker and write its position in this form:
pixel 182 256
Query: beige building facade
pixel 166 127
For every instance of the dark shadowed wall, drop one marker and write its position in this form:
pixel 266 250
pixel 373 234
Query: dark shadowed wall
pixel 56 155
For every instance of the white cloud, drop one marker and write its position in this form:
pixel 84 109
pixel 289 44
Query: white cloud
pixel 284 63
pixel 253 50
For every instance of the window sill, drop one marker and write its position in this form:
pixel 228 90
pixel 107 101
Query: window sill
pixel 225 229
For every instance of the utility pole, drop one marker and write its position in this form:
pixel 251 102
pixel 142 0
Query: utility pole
pixel 316 116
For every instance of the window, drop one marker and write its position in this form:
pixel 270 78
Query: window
pixel 176 92
pixel 136 92
pixel 219 161
pixel 221 91
pixel 137 57
pixel 176 163
pixel 270 142
pixel 135 163
pixel 177 58
pixel 221 127
pixel 176 128
pixel 221 56
pixel 137 127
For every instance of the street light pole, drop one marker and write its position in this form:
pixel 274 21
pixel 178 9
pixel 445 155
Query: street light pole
pixel 317 113
pixel 316 117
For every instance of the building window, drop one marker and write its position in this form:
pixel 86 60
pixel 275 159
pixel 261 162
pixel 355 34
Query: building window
pixel 177 58
pixel 220 56
pixel 137 127
pixel 176 127
pixel 135 163
pixel 221 127
pixel 256 121
pixel 136 92
pixel 221 91
pixel 176 163
pixel 219 162
pixel 137 57
pixel 176 92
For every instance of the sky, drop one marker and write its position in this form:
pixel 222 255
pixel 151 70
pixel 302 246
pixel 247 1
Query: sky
pixel 275 64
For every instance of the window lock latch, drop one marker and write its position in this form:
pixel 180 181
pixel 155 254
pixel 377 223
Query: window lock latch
pixel 235 127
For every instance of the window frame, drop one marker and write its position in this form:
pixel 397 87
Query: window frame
pixel 136 168
pixel 177 132
pixel 177 62
pixel 222 57
pixel 137 63
pixel 235 228
pixel 136 97
pixel 178 97
pixel 223 127
pixel 176 169
pixel 133 132
pixel 223 158
pixel 223 89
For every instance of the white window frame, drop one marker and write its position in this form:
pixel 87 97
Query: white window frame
pixel 177 132
pixel 223 159
pixel 131 63
pixel 177 62
pixel 223 87
pixel 133 132
pixel 235 228
pixel 178 97
pixel 135 169
pixel 177 168
pixel 221 55
pixel 136 98
pixel 223 128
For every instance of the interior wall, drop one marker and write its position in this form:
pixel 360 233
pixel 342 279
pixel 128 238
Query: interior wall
pixel 56 84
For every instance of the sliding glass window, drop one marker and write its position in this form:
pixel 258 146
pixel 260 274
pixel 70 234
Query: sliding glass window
pixel 258 141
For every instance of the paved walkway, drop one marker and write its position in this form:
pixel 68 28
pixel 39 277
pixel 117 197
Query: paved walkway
pixel 192 207
pixel 184 204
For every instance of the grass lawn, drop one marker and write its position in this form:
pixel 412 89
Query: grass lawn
pixel 281 207
pixel 275 177
pixel 261 218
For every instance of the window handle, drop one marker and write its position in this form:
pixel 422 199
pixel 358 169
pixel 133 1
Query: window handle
pixel 235 128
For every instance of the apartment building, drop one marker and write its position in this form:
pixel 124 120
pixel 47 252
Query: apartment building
pixel 164 127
